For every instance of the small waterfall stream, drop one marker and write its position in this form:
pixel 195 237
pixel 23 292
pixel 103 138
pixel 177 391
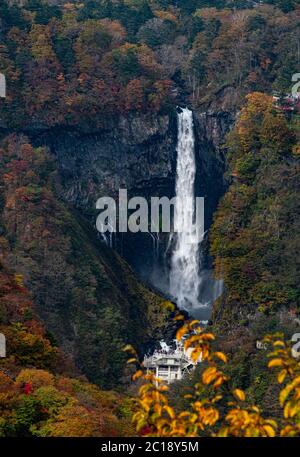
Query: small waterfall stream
pixel 185 276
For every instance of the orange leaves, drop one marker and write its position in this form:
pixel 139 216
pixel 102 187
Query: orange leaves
pixel 247 423
pixel 166 16
pixel 134 95
pixel 289 396
pixel 170 411
pixel 221 356
pixel 137 375
pixel 207 415
pixel 239 394
pixel 213 376
pixel 209 375
pixel 36 378
pixel 275 363
pixel 182 332
pixel 156 417
pixel 281 376
pixel 293 387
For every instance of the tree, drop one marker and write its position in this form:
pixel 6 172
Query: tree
pixel 216 409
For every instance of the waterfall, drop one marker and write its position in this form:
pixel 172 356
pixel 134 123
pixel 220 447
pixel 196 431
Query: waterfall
pixel 185 259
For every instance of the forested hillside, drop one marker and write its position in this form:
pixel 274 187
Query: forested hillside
pixel 41 391
pixel 77 64
pixel 86 294
pixel 256 229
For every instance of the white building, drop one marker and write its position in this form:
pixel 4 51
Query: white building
pixel 170 365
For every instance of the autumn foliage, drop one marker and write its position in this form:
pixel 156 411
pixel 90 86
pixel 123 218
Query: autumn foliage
pixel 215 408
pixel 36 398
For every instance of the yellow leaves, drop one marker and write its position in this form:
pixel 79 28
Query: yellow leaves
pixel 248 423
pixel 193 329
pixel 239 394
pixel 282 375
pixel 181 332
pixel 272 423
pixel 144 389
pixel 199 342
pixel 209 375
pixel 223 432
pixel 138 374
pixel 196 354
pixel 219 381
pixel 216 399
pixel 268 428
pixel 212 375
pixel 289 396
pixel 210 416
pixel 161 420
pixel 290 431
pixel 279 343
pixel 191 340
pixel 130 361
pixel 208 337
pixel 270 432
pixel 170 411
pixel 275 363
pixel 221 356
pixel 288 390
pixel 130 349
pixel 195 323
pixel 179 317
pixel 169 306
pixel 291 409
pixel 19 280
pixel 140 420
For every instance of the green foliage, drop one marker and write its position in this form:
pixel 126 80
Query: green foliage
pixel 254 236
pixel 43 11
pixel 78 283
pixel 26 414
pixel 37 402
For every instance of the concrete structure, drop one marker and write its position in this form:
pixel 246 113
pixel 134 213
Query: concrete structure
pixel 170 365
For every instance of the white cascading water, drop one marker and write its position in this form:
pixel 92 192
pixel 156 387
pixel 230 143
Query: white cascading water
pixel 185 261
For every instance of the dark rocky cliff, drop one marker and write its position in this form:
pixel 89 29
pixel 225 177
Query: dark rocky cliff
pixel 138 153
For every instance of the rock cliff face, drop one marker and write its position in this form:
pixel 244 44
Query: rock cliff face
pixel 138 153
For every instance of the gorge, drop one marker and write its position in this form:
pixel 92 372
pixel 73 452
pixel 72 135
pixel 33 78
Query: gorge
pixel 91 108
pixel 145 154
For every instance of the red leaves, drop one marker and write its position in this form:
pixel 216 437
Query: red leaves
pixel 27 389
pixel 146 431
